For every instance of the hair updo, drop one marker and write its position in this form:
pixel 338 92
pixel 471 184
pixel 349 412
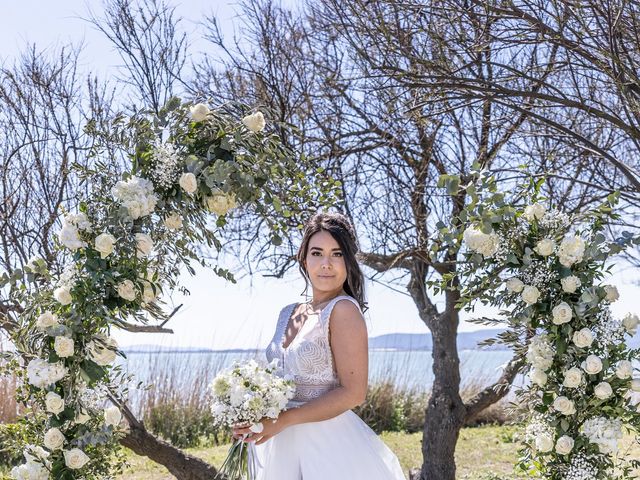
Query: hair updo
pixel 340 228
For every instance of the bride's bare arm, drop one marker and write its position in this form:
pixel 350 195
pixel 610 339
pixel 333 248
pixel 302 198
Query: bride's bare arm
pixel 348 338
pixel 349 344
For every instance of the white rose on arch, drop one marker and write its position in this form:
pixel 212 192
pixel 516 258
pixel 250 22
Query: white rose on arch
pixel 53 439
pixel 563 405
pixel 63 346
pixel 538 377
pixel 562 313
pixel 571 250
pixel 127 290
pixel 564 445
pixel 54 403
pixel 514 285
pixel 544 443
pixel 570 284
pixel 611 293
pixel 144 245
pixel 199 112
pixel 592 365
pixel 545 247
pixel 534 211
pixel 112 416
pixel 624 369
pixel 46 320
pixel 573 378
pixel 188 182
pixel 254 122
pixel 104 244
pixel 583 338
pixel 530 294
pixel 102 350
pixel 63 295
pixel 75 458
pixel 603 390
pixel 221 203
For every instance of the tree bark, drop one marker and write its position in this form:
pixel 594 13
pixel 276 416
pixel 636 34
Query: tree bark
pixel 446 412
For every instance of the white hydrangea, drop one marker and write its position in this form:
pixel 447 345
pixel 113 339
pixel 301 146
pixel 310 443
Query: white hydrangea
pixel 604 432
pixel 534 211
pixel 540 353
pixel 41 373
pixel 136 195
pixel 571 250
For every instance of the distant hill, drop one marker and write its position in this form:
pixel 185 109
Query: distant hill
pixel 392 341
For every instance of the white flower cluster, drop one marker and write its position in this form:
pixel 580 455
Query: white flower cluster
pixel 581 468
pixel 167 165
pixel 607 329
pixel 136 195
pixel 41 373
pixel 479 242
pixel 555 221
pixel 221 203
pixel 540 353
pixel 539 434
pixel 69 235
pixel 571 250
pixel 604 432
pixel 36 466
pixel 246 393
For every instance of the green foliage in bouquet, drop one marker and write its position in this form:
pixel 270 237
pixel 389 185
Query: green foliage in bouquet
pixel 187 169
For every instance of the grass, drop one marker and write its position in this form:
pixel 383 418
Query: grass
pixel 482 453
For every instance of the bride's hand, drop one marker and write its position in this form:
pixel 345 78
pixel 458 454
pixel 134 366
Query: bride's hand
pixel 271 428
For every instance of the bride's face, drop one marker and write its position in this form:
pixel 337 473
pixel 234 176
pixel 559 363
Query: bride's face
pixel 325 262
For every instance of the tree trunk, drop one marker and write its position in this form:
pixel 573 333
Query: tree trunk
pixel 446 411
pixel 180 464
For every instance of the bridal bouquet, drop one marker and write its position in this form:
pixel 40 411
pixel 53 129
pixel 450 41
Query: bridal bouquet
pixel 245 394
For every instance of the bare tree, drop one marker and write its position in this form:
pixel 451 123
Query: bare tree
pixel 342 76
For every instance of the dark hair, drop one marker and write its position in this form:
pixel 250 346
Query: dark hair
pixel 343 232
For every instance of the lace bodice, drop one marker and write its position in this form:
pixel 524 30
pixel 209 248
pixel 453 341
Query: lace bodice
pixel 308 357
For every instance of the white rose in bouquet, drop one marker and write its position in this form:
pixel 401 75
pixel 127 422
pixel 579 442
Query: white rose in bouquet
pixel 573 378
pixel 514 285
pixel 538 377
pixel 592 365
pixel 54 403
pixel 144 245
pixel 562 313
pixel 127 290
pixel 173 221
pixel 102 350
pixel 136 195
pixel 63 295
pixel 188 182
pixel 530 294
pixel 563 405
pixel 221 203
pixel 583 338
pixel 570 284
pixel 603 390
pixel 112 416
pixel 544 443
pixel 630 323
pixel 104 244
pixel 46 320
pixel 75 458
pixel 199 112
pixel 63 346
pixel 564 445
pixel 624 369
pixel 545 247
pixel 53 439
pixel 571 250
pixel 254 122
pixel 611 293
pixel 535 211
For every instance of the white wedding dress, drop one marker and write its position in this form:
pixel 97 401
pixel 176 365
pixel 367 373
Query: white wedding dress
pixel 341 448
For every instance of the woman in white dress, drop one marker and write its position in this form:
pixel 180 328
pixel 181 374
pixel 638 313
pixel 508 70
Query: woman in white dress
pixel 323 345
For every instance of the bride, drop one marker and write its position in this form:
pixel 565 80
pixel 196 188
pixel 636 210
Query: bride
pixel 322 344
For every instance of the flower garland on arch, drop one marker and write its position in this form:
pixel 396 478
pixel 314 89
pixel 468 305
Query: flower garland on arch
pixel 125 247
pixel 543 269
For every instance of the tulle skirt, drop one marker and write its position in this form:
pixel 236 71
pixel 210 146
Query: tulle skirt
pixel 341 448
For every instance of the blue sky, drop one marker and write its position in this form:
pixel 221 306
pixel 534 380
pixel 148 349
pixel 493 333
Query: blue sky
pixel 217 314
